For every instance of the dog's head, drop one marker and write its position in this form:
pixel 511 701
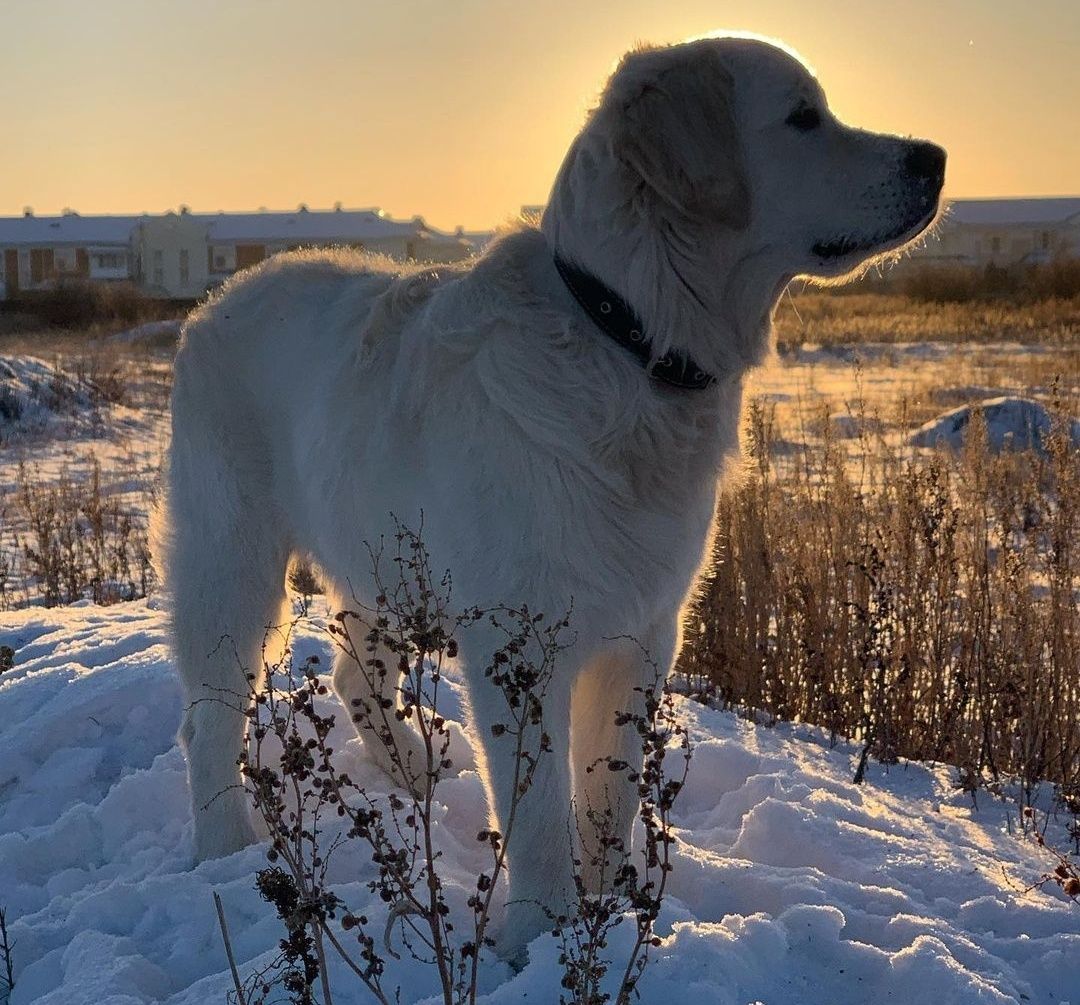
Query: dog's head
pixel 736 133
pixel 710 174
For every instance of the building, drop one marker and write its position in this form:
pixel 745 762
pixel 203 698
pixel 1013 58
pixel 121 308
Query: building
pixel 169 255
pixel 39 251
pixel 1003 232
pixel 182 255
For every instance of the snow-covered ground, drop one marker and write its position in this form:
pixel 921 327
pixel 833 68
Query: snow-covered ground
pixel 791 886
pixel 54 428
pixel 895 387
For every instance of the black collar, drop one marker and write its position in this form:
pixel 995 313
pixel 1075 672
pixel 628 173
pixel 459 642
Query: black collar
pixel 616 319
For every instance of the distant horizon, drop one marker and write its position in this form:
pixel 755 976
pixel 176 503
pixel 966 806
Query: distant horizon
pixel 406 216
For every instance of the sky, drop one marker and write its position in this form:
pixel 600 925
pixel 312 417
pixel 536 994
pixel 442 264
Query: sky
pixel 461 110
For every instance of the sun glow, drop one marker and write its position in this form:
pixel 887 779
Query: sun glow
pixel 463 112
pixel 754 36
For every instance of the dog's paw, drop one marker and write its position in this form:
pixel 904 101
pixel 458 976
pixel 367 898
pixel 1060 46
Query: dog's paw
pixel 226 838
pixel 524 921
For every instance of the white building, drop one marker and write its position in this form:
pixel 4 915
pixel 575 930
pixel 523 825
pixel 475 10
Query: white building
pixel 181 255
pixel 1003 232
pixel 39 251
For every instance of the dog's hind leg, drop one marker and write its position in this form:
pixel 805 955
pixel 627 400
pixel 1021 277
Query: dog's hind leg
pixel 225 560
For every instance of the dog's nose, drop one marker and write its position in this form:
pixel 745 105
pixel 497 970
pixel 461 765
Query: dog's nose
pixel 926 161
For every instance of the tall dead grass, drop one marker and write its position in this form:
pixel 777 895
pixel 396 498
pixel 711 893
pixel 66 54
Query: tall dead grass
pixel 1021 283
pixel 73 540
pixel 80 304
pixel 829 317
pixel 924 605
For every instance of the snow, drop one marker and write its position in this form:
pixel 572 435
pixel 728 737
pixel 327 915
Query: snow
pixel 35 395
pixel 1012 423
pixel 791 885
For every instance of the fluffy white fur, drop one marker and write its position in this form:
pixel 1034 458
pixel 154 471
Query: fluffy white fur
pixel 323 392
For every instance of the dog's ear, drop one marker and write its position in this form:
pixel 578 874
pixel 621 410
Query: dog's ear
pixel 676 131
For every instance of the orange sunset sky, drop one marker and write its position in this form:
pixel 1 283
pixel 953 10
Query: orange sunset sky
pixel 460 110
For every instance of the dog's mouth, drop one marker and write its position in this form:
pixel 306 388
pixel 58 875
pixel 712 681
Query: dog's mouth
pixel 848 245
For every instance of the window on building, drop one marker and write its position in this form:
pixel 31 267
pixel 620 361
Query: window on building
pixel 159 267
pixel 249 254
pixel 64 259
pixel 41 265
pixel 183 266
pixel 108 260
pixel 995 245
pixel 1046 240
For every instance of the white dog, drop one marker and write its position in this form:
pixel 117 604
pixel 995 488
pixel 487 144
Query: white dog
pixel 560 410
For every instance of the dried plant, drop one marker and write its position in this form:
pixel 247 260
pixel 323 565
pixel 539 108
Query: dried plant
pixel 7 965
pixel 1066 871
pixel 626 891
pixel 312 808
pixel 923 604
pixel 299 789
pixel 79 541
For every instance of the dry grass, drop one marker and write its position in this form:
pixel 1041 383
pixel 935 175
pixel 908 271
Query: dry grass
pixel 80 304
pixel 70 539
pixel 925 605
pixel 1058 279
pixel 822 317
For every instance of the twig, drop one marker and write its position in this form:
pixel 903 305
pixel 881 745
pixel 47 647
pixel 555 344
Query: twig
pixel 399 910
pixel 5 950
pixel 241 1000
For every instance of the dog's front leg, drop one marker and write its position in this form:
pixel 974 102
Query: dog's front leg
pixel 537 818
pixel 606 801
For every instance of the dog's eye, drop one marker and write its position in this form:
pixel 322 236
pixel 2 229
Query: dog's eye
pixel 804 118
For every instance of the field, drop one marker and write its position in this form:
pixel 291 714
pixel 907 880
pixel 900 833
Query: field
pixel 891 602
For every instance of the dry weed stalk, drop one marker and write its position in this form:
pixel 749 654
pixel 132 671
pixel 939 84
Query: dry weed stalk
pixel 1066 871
pixel 79 541
pixel 312 808
pixel 627 891
pixel 924 605
pixel 296 792
pixel 7 976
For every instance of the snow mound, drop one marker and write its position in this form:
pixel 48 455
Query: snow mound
pixel 35 395
pixel 791 886
pixel 1011 424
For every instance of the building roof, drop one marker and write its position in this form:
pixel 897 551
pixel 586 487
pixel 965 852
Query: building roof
pixel 69 228
pixel 309 225
pixel 998 212
pixel 299 226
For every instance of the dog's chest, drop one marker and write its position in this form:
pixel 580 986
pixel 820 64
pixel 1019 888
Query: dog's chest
pixel 620 547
